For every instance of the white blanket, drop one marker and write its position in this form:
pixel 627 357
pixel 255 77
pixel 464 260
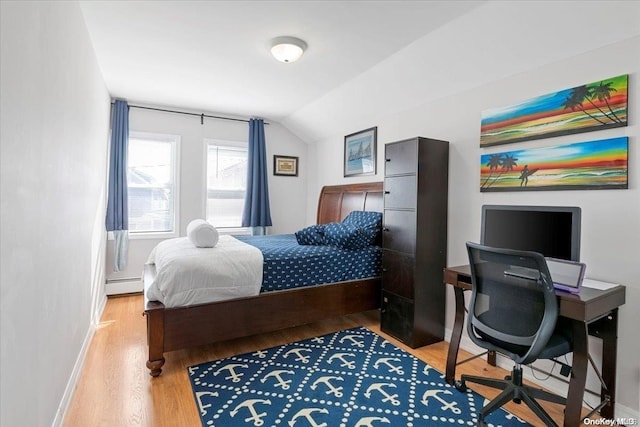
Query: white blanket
pixel 187 275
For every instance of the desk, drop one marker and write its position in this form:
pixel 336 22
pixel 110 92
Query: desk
pixel 592 312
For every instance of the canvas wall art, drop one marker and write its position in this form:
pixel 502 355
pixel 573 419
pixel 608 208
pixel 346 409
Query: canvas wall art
pixel 591 165
pixel 593 106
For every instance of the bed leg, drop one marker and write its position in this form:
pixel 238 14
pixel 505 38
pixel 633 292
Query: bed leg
pixel 155 366
pixel 155 341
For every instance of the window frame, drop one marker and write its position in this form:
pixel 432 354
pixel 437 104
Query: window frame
pixel 174 140
pixel 228 143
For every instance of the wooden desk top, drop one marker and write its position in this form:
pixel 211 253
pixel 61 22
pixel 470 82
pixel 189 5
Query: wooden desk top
pixel 588 305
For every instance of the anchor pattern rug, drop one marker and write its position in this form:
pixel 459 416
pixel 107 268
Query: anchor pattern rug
pixel 350 378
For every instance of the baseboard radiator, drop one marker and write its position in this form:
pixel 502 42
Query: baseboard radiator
pixel 124 286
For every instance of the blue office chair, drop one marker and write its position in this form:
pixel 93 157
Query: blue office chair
pixel 514 311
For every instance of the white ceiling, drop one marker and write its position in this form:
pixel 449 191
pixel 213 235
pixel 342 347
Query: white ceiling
pixel 214 55
pixel 365 59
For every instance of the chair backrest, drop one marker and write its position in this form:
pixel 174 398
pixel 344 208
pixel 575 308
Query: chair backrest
pixel 513 308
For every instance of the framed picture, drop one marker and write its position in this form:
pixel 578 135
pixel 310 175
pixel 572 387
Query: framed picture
pixel 360 152
pixel 285 165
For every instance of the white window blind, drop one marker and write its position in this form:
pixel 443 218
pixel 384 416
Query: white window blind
pixel 226 183
pixel 151 183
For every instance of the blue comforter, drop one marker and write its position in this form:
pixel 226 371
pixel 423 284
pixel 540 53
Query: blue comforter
pixel 288 265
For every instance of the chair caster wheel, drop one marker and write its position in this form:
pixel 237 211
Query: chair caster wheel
pixel 460 386
pixel 507 378
pixel 518 401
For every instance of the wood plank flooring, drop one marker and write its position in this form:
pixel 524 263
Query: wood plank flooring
pixel 115 388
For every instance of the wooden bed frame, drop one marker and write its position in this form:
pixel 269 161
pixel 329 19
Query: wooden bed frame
pixel 170 329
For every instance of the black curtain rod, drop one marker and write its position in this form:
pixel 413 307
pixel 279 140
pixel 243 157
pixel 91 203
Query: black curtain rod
pixel 201 115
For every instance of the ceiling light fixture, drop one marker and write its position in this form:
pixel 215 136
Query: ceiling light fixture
pixel 287 49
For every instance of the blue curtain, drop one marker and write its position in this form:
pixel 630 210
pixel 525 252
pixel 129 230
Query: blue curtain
pixel 117 204
pixel 256 211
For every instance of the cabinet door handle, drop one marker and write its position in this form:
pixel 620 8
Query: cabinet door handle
pixel 387 160
pixel 384 270
pixel 385 229
pixel 387 192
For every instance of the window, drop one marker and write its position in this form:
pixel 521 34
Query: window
pixel 151 180
pixel 226 182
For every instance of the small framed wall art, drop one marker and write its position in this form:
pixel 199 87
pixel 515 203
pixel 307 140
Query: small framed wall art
pixel 360 152
pixel 285 165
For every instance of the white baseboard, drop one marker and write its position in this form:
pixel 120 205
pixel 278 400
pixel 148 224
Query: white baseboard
pixel 126 286
pixel 551 384
pixel 77 369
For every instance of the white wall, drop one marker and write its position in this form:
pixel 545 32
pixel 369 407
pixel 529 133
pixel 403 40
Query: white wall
pixel 54 119
pixel 287 194
pixel 610 218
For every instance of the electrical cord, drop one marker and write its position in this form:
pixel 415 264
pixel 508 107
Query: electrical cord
pixel 533 372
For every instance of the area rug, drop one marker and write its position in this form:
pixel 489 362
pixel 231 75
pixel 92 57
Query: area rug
pixel 348 378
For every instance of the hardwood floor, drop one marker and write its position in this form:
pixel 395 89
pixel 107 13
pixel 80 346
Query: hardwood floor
pixel 115 388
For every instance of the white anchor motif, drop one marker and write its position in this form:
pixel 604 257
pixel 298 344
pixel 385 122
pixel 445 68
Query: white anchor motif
pixel 202 407
pixel 354 342
pixel 300 356
pixel 255 416
pixel 368 421
pixel 318 340
pixel 280 381
pixel 306 413
pixel 261 354
pixel 336 391
pixel 233 375
pixel 426 369
pixel 192 370
pixel 345 363
pixel 392 368
pixel 445 405
pixel 387 397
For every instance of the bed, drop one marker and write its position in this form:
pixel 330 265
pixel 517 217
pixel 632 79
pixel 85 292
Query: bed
pixel 175 328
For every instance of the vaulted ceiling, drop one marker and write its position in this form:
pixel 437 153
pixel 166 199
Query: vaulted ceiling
pixel 364 59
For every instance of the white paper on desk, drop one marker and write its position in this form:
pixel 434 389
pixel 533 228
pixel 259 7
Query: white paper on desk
pixel 597 284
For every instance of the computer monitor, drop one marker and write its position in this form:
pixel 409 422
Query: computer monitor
pixel 554 231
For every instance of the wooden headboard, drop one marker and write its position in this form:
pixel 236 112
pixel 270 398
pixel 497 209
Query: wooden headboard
pixel 336 201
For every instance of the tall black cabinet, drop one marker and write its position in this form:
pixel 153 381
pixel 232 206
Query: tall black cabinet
pixel 414 240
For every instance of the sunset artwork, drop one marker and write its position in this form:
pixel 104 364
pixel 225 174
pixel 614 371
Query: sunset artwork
pixel 586 108
pixel 593 165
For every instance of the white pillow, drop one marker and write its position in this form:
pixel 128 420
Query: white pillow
pixel 202 234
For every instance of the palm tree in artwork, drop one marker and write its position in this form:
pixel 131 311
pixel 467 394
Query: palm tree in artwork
pixel 495 161
pixel 603 94
pixel 589 97
pixel 575 99
pixel 507 163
